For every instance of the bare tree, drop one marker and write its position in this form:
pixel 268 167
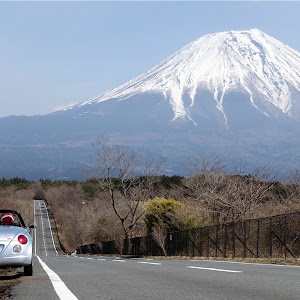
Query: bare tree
pixel 127 176
pixel 206 164
pixel 294 177
pixel 159 235
pixel 228 197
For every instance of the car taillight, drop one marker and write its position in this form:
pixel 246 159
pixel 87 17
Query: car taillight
pixel 22 239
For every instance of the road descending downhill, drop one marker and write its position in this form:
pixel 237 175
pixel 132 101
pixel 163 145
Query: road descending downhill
pixel 114 278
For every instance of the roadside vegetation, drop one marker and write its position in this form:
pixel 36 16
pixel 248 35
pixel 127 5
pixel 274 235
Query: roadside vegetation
pixel 124 197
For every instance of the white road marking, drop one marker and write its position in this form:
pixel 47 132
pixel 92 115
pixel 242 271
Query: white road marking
pixel 213 269
pixel 101 259
pixel 51 232
pixel 245 263
pixel 149 263
pixel 258 264
pixel 35 229
pixel 119 260
pixel 59 286
pixel 43 231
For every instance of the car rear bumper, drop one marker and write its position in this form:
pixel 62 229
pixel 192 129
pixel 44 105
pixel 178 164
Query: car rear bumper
pixel 15 261
pixel 9 258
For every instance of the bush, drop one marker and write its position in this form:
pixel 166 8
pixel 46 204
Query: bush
pixel 89 189
pixel 160 213
pixel 170 215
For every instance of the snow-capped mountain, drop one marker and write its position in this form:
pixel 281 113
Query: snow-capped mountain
pixel 249 61
pixel 235 93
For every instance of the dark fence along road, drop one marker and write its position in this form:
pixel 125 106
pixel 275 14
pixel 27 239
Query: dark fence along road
pixel 273 237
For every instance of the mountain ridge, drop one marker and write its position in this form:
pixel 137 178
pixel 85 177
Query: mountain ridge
pixel 238 102
pixel 249 61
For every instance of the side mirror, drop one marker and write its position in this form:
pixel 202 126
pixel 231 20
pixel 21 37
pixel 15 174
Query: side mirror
pixel 32 225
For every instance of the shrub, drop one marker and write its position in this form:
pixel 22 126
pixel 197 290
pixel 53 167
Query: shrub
pixel 160 213
pixel 89 189
pixel 170 215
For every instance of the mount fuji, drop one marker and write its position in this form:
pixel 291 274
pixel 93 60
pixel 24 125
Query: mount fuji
pixel 234 93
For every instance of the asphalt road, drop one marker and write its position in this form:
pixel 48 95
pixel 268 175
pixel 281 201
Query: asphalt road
pixel 113 278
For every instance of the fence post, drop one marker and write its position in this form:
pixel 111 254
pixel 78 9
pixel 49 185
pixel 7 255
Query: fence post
pixel 285 232
pixel 176 241
pixel 225 240
pixel 193 234
pixel 187 252
pixel 201 239
pixel 180 241
pixel 270 238
pixel 208 244
pixel 244 238
pixel 257 239
pixel 233 241
pixel 217 228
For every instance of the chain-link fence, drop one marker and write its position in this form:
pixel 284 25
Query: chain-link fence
pixel 277 236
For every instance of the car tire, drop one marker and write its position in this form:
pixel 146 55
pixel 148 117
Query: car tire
pixel 28 270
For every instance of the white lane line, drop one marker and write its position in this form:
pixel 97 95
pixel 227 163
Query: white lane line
pixel 213 269
pixel 258 264
pixel 101 259
pixel 59 286
pixel 149 263
pixel 51 232
pixel 34 228
pixel 119 260
pixel 245 263
pixel 43 232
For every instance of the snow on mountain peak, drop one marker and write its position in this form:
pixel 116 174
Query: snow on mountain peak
pixel 248 60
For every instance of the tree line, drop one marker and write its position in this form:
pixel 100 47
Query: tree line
pixel 125 196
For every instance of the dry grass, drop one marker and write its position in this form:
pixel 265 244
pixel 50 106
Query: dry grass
pixel 80 219
pixel 277 261
pixel 8 278
pixel 19 200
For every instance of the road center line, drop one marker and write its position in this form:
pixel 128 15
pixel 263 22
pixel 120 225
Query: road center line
pixel 59 286
pixel 42 222
pixel 34 228
pixel 213 269
pixel 149 263
pixel 119 260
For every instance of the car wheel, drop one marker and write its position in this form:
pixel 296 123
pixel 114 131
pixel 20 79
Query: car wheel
pixel 28 270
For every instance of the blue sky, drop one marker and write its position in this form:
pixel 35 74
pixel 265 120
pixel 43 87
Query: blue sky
pixel 54 54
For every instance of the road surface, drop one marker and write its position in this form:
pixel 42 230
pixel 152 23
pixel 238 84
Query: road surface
pixel 112 278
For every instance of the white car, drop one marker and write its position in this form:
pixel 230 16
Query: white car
pixel 15 242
